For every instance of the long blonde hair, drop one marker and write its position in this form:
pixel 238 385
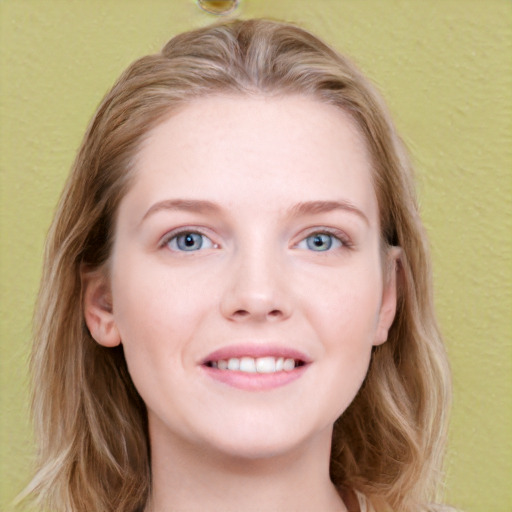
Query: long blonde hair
pixel 89 420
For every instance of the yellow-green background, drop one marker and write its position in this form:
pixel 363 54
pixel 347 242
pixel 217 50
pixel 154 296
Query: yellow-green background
pixel 445 68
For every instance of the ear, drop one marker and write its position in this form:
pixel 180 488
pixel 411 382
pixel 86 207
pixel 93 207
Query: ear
pixel 98 310
pixel 389 294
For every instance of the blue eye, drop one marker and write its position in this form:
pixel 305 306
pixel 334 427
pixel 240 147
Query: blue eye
pixel 320 242
pixel 189 241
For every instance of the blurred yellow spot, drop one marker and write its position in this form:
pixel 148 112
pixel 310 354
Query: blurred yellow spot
pixel 218 6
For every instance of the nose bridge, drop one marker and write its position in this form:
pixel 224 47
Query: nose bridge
pixel 256 288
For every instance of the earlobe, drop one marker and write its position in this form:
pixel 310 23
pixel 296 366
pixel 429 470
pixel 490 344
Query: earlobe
pixel 389 295
pixel 98 310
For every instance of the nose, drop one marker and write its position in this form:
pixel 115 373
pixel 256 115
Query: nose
pixel 256 291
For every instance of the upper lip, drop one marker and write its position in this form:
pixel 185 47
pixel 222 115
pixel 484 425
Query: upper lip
pixel 255 351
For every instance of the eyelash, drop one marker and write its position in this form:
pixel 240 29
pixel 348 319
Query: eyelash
pixel 335 235
pixel 175 235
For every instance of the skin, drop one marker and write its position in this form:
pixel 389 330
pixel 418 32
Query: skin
pixel 260 163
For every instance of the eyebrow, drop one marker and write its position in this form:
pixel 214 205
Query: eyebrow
pixel 316 207
pixel 191 205
pixel 303 208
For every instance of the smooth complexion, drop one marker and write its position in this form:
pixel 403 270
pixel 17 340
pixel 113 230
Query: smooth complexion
pixel 251 231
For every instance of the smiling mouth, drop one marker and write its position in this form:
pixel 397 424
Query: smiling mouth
pixel 246 364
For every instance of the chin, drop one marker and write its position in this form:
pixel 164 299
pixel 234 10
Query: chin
pixel 256 449
pixel 264 442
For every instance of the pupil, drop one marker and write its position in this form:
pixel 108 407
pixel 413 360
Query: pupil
pixel 189 242
pixel 318 241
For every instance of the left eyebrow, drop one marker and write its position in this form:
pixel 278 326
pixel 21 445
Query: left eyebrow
pixel 316 207
pixel 190 205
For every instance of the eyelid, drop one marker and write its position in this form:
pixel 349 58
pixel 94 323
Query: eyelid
pixel 335 232
pixel 182 230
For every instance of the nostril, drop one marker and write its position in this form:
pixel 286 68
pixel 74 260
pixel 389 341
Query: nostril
pixel 243 313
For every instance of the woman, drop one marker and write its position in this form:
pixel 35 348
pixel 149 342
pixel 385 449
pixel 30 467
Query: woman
pixel 236 309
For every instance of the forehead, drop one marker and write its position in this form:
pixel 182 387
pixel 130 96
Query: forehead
pixel 247 148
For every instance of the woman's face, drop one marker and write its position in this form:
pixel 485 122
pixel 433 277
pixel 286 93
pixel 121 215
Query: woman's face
pixel 249 240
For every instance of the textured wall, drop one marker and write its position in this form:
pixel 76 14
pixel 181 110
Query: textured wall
pixel 445 68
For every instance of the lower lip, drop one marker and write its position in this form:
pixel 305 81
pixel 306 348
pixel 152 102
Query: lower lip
pixel 255 381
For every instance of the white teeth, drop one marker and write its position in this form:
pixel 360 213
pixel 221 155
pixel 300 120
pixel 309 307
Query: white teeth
pixel 246 364
pixel 289 365
pixel 234 363
pixel 266 364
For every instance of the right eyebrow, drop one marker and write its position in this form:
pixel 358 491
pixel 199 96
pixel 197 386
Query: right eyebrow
pixel 191 205
pixel 316 207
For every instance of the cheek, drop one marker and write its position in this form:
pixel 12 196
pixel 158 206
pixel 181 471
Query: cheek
pixel 153 319
pixel 347 305
pixel 347 326
pixel 155 310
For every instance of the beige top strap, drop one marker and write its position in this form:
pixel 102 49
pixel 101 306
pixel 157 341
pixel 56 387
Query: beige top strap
pixel 363 502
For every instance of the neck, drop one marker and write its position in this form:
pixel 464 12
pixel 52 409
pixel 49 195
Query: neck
pixel 185 477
